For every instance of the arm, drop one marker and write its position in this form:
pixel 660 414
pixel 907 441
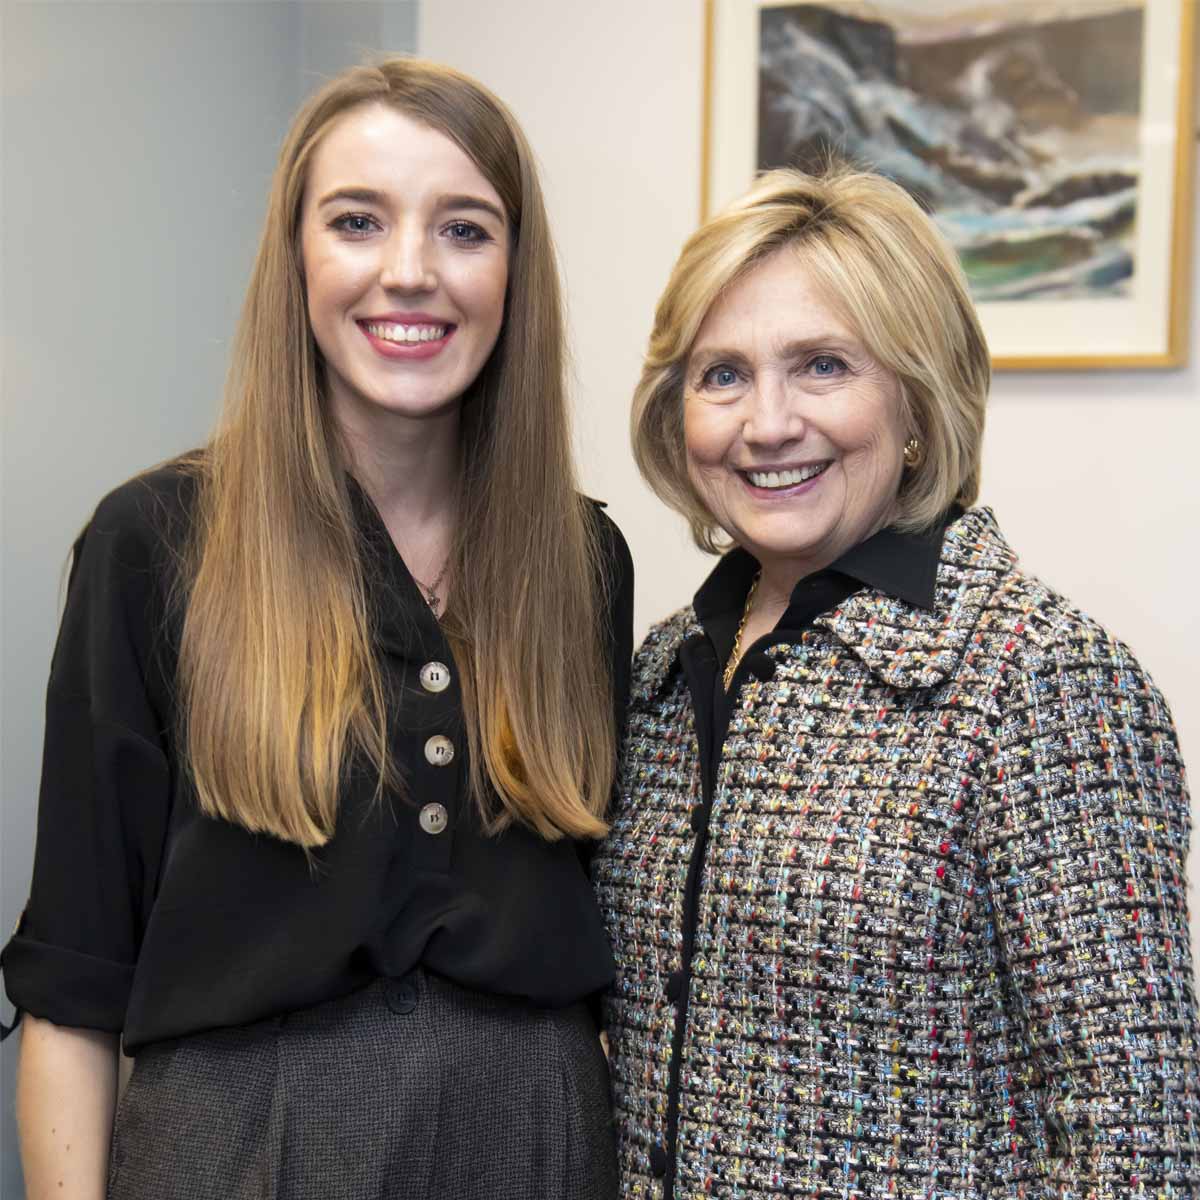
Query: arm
pixel 102 819
pixel 66 1094
pixel 1085 842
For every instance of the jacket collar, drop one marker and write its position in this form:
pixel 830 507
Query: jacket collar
pixel 910 647
pixel 904 645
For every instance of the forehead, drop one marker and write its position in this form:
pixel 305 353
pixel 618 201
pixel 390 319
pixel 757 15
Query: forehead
pixel 379 148
pixel 778 297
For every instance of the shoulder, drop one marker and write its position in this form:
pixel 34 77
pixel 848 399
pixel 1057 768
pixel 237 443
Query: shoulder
pixel 614 569
pixel 138 532
pixel 1080 714
pixel 153 502
pixel 1056 644
pixel 122 584
pixel 1043 620
pixel 149 512
pixel 982 579
pixel 667 635
pixel 616 561
pixel 656 656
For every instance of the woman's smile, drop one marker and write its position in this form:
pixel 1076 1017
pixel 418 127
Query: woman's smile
pixel 773 482
pixel 410 337
pixel 794 434
pixel 405 245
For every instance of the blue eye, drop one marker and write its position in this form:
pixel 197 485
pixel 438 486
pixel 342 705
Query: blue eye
pixel 355 224
pixel 826 366
pixel 720 376
pixel 466 231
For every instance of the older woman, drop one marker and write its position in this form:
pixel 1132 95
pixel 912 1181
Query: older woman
pixel 897 885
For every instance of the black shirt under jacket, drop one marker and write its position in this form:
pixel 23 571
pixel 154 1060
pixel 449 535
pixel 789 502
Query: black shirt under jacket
pixel 901 564
pixel 147 917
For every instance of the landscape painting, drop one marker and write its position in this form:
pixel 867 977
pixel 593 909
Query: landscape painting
pixel 1020 135
pixel 1023 127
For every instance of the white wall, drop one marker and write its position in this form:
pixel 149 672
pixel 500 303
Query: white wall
pixel 1092 475
pixel 138 140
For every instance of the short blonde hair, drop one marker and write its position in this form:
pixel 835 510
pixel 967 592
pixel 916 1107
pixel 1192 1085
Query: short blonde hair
pixel 884 267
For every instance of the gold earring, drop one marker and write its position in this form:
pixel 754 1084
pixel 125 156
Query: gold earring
pixel 912 452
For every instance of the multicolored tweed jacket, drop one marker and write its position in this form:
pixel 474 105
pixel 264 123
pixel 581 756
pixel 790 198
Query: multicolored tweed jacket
pixel 940 941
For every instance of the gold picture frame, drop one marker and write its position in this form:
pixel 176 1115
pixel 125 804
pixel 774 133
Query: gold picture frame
pixel 1074 221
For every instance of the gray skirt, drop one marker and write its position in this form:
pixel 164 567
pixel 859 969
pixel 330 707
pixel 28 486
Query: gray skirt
pixel 412 1087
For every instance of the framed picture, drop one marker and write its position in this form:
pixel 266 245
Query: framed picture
pixel 1051 140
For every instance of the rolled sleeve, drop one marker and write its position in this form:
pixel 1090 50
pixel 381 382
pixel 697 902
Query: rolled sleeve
pixel 65 986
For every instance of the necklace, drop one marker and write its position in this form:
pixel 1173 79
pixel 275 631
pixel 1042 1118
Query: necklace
pixel 431 589
pixel 735 655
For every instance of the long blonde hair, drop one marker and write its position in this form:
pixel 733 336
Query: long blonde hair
pixel 279 685
pixel 882 263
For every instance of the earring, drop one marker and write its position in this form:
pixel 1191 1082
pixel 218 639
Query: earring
pixel 912 452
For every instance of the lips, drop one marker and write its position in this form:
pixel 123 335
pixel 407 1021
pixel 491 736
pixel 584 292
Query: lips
pixel 415 337
pixel 781 478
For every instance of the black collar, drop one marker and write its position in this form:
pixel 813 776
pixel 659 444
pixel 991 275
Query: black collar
pixel 899 564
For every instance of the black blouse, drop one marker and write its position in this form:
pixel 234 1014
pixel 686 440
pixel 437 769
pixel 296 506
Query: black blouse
pixel 148 917
pixel 903 564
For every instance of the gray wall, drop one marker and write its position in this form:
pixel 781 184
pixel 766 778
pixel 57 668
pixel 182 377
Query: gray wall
pixel 136 144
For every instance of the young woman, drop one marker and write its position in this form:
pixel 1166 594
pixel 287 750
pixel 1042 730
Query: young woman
pixel 331 718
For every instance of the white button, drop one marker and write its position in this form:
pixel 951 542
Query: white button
pixel 434 818
pixel 435 677
pixel 439 750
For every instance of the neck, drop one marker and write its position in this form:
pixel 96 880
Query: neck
pixel 410 470
pixel 780 574
pixel 775 585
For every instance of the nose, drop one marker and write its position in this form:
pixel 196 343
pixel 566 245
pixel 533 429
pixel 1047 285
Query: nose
pixel 407 264
pixel 772 417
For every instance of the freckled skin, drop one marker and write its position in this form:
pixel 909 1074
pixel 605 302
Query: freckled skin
pixel 776 378
pixel 66 1088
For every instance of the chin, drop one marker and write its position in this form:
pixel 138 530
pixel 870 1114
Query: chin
pixel 788 552
pixel 413 407
pixel 783 545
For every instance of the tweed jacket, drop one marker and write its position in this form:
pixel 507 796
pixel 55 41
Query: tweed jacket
pixel 938 942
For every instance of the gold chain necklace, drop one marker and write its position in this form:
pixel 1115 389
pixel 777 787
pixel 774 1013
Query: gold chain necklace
pixel 735 655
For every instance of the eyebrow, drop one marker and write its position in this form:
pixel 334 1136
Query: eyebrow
pixel 793 349
pixel 472 203
pixel 364 195
pixel 359 195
